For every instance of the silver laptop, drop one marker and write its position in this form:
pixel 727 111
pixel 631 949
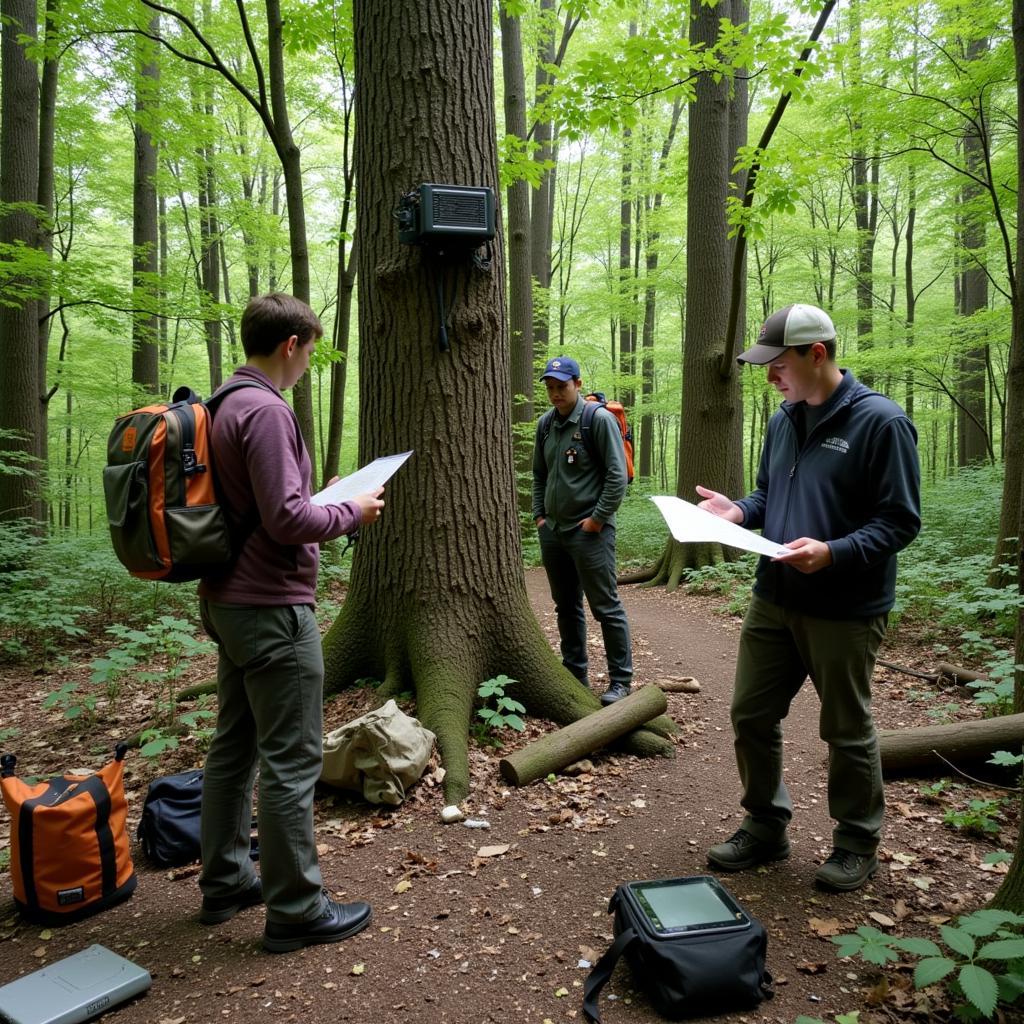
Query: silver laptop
pixel 73 989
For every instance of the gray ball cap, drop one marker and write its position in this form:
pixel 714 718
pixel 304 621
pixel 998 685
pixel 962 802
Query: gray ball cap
pixel 793 325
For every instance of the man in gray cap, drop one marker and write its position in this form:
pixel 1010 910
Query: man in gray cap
pixel 838 484
pixel 579 480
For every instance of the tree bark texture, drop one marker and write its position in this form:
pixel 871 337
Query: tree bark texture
pixel 911 751
pixel 19 323
pixel 553 751
pixel 711 442
pixel 437 600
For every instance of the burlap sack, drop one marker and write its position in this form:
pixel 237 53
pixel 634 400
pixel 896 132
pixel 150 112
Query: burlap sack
pixel 379 755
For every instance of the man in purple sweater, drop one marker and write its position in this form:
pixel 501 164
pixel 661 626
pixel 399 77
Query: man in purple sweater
pixel 270 670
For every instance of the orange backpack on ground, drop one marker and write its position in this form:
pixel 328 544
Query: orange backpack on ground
pixel 69 842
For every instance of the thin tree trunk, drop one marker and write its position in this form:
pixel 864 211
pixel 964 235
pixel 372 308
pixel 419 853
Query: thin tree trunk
pixel 973 441
pixel 520 287
pixel 145 234
pixel 711 415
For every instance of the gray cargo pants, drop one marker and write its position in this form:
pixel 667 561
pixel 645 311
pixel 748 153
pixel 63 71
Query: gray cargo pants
pixel 270 676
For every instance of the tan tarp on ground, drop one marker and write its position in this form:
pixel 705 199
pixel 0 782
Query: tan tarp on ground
pixel 379 755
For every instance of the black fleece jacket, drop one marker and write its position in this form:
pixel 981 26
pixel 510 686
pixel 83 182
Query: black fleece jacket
pixel 855 484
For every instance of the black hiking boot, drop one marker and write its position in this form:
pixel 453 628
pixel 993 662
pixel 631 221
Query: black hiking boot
pixel 743 850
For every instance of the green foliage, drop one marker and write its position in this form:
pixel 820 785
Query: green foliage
pixel 983 975
pixel 79 708
pixel 980 817
pixel 505 712
pixel 167 644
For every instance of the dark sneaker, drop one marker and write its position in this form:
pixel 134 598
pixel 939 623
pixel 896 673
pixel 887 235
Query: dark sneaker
pixel 846 870
pixel 743 851
pixel 337 921
pixel 218 909
pixel 614 692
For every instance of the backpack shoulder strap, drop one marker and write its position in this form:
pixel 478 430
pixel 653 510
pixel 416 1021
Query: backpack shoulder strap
pixel 586 424
pixel 601 972
pixel 544 425
pixel 226 389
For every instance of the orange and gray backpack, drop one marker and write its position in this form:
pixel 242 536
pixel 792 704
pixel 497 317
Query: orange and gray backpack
pixel 165 518
pixel 69 842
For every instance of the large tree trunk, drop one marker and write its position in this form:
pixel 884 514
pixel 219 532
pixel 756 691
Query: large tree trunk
pixel 711 450
pixel 520 287
pixel 437 601
pixel 19 324
pixel 145 235
pixel 1011 892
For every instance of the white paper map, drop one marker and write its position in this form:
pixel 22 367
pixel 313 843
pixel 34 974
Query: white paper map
pixel 690 525
pixel 373 475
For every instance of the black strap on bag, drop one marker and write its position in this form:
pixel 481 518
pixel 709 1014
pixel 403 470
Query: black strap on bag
pixel 601 972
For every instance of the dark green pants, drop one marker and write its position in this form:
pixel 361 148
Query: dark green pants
pixel 579 564
pixel 270 677
pixel 779 649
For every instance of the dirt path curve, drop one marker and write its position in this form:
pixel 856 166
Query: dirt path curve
pixel 463 937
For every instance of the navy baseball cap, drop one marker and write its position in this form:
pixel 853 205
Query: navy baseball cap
pixel 561 368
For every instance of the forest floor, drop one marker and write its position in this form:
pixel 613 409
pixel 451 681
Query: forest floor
pixel 459 935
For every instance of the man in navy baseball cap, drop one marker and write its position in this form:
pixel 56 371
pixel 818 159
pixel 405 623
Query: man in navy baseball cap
pixel 579 480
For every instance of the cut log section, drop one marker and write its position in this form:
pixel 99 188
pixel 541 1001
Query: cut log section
pixel 557 749
pixel 912 751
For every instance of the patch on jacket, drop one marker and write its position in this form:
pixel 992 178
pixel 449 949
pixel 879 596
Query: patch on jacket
pixel 836 444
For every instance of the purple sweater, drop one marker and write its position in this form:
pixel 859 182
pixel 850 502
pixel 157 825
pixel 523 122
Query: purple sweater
pixel 263 471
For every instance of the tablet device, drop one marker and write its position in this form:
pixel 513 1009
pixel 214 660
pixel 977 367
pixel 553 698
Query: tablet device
pixel 699 903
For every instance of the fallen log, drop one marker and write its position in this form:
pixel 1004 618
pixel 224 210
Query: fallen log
pixel 557 749
pixel 913 751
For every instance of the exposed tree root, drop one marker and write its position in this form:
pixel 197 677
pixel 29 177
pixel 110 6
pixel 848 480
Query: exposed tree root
pixel 443 654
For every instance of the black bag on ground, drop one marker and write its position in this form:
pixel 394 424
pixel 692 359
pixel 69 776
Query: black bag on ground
pixel 692 948
pixel 169 827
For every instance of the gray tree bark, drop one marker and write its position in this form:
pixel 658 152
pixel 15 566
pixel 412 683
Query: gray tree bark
pixel 437 601
pixel 20 372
